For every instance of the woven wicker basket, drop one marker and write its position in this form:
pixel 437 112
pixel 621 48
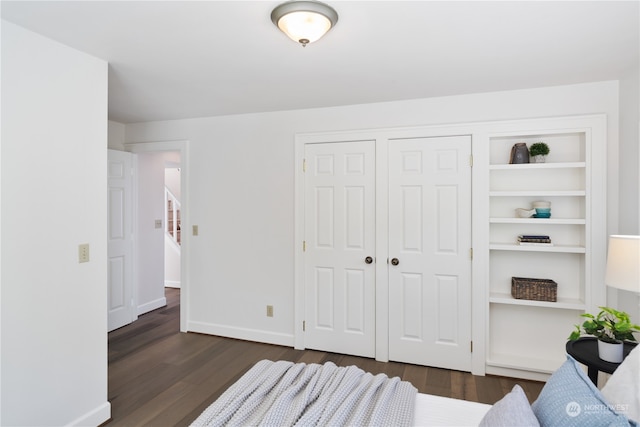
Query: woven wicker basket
pixel 534 289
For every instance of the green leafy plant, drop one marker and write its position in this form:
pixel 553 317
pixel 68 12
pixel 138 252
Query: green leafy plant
pixel 539 149
pixel 609 325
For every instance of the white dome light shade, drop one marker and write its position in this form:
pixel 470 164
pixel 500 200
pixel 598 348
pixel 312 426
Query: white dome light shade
pixel 304 21
pixel 304 26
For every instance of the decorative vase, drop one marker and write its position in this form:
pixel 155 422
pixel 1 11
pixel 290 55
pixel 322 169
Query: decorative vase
pixel 519 153
pixel 540 158
pixel 610 352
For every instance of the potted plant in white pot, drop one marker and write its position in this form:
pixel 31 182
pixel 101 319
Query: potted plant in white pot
pixel 612 328
pixel 538 152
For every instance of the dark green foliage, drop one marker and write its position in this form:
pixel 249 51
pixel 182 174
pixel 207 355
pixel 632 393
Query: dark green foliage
pixel 609 325
pixel 539 149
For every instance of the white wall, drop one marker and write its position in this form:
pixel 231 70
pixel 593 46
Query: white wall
pixel 629 174
pixel 150 240
pixel 172 180
pixel 54 158
pixel 241 190
pixel 171 263
pixel 116 137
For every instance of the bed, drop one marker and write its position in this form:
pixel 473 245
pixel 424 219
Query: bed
pixel 284 393
pixel 433 410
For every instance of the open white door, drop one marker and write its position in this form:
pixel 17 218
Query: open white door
pixel 429 247
pixel 121 307
pixel 340 244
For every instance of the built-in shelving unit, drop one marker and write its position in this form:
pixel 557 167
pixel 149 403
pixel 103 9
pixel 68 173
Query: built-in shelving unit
pixel 527 338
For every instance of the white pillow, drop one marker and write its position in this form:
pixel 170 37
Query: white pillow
pixel 622 390
pixel 512 410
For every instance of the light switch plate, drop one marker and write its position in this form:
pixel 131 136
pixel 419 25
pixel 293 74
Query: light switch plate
pixel 195 230
pixel 83 252
pixel 158 223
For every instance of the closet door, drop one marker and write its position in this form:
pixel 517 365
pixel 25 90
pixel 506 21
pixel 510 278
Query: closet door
pixel 429 251
pixel 339 254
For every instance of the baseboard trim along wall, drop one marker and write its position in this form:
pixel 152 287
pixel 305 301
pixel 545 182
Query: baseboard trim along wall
pixel 241 333
pixel 98 416
pixel 151 305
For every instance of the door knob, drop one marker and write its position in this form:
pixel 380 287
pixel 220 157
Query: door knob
pixel 368 260
pixel 395 261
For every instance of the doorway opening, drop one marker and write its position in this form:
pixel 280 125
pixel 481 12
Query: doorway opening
pixel 172 225
pixel 162 169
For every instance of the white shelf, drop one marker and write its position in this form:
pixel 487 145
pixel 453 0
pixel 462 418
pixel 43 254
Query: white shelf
pixel 562 303
pixel 537 248
pixel 522 166
pixel 540 221
pixel 541 193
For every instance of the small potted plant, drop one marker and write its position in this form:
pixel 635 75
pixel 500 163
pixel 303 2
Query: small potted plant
pixel 611 328
pixel 539 151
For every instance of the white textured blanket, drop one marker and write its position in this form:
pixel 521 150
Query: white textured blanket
pixel 286 394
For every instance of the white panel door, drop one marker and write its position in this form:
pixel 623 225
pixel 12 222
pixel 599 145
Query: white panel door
pixel 120 240
pixel 339 237
pixel 429 251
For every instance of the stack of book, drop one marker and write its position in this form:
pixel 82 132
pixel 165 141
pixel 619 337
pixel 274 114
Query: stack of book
pixel 534 240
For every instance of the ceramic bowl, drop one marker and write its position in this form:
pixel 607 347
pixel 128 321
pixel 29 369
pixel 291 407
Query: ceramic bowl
pixel 525 213
pixel 541 204
pixel 542 215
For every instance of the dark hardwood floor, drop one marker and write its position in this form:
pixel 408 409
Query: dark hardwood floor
pixel 159 376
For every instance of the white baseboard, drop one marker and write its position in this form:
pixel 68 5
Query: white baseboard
pixel 518 373
pixel 151 305
pixel 241 333
pixel 98 416
pixel 171 284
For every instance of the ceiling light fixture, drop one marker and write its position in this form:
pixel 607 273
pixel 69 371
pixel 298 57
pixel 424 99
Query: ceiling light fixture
pixel 304 21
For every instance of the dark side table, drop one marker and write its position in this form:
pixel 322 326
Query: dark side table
pixel 585 351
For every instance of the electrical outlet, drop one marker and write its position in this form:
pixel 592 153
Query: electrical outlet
pixel 195 230
pixel 269 311
pixel 83 252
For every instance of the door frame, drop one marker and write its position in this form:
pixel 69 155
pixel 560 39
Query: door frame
pixel 383 137
pixel 181 146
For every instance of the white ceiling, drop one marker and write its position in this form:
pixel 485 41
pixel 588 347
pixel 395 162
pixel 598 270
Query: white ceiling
pixel 182 59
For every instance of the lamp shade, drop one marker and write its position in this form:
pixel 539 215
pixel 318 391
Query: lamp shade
pixel 623 263
pixel 304 21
